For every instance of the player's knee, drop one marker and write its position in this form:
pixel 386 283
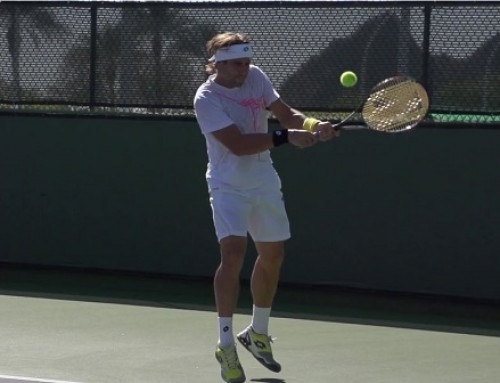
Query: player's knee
pixel 272 261
pixel 233 251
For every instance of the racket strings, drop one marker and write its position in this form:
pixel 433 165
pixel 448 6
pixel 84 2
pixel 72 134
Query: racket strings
pixel 396 106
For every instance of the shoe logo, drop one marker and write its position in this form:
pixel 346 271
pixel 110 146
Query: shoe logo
pixel 247 340
pixel 225 329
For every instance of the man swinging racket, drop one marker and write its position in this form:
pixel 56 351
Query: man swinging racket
pixel 245 190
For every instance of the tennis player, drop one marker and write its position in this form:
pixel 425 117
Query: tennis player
pixel 245 190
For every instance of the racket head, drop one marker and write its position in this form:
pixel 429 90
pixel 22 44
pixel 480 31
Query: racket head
pixel 395 104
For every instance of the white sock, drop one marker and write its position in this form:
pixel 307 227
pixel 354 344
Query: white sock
pixel 260 319
pixel 226 337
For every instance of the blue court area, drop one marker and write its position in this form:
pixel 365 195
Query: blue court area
pixel 60 326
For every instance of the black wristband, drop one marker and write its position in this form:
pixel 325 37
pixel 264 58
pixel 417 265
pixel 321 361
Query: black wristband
pixel 280 137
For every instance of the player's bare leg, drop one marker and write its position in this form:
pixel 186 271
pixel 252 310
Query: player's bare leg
pixel 227 276
pixel 226 288
pixel 264 284
pixel 266 272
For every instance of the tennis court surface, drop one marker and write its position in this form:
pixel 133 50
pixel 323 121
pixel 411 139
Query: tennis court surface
pixel 85 328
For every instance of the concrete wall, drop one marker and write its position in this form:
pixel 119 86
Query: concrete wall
pixel 414 212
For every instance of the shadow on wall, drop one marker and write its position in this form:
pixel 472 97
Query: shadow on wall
pixel 384 47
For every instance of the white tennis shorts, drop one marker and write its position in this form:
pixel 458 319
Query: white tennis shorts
pixel 259 213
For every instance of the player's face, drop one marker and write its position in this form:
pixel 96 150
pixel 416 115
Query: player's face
pixel 232 73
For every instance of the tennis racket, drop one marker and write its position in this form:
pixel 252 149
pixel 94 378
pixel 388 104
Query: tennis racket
pixel 394 105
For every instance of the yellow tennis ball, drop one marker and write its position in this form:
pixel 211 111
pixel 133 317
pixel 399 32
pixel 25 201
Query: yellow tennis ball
pixel 348 79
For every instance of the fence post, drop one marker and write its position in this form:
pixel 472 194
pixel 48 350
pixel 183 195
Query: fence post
pixel 426 45
pixel 93 55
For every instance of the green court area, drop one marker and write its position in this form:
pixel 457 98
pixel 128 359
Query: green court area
pixel 493 119
pixel 95 327
pixel 305 301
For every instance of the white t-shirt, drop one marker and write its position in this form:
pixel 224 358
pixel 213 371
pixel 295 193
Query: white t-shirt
pixel 217 107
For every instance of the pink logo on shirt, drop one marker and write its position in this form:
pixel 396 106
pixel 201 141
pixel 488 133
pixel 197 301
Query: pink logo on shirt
pixel 252 103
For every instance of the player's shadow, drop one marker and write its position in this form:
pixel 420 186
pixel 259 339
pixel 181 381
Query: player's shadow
pixel 268 380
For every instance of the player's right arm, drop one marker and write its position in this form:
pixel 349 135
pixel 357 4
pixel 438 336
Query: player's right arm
pixel 246 144
pixel 243 144
pixel 211 116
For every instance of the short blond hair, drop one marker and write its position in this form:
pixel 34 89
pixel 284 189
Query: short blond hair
pixel 221 40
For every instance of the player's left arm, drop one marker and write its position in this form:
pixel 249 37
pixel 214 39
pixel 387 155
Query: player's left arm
pixel 288 117
pixel 291 118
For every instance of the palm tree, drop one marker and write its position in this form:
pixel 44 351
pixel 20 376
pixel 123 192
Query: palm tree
pixel 21 20
pixel 174 42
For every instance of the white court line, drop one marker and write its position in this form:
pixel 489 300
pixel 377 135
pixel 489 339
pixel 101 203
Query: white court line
pixel 23 379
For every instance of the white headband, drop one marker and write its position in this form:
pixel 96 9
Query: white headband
pixel 231 52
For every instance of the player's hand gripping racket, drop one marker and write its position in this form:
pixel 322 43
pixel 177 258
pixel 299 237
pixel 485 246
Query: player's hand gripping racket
pixel 394 105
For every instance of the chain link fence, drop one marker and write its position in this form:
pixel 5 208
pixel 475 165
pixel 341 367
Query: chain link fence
pixel 148 57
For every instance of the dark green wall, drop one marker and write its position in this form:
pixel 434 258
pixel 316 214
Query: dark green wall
pixel 415 212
